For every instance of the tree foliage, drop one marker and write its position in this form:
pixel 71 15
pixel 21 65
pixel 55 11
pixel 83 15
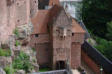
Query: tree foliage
pixel 95 14
pixel 22 62
pixel 109 29
pixel 105 47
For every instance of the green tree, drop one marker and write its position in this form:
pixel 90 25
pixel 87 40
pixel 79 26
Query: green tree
pixel 95 14
pixel 105 47
pixel 109 29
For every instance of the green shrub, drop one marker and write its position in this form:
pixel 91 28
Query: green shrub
pixel 22 62
pixel 33 49
pixel 16 32
pixel 17 43
pixel 109 29
pixel 9 70
pixel 5 52
pixel 104 47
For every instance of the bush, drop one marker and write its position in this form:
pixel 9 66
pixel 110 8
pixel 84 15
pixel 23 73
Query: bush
pixel 22 62
pixel 17 43
pixel 16 32
pixel 9 70
pixel 5 52
pixel 104 47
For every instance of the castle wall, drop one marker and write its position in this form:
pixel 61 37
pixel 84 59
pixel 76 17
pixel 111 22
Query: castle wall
pixel 90 63
pixel 78 37
pixel 75 55
pixel 44 55
pixel 39 39
pixel 7 21
pixel 33 7
pixel 22 13
pixel 13 13
pixel 41 43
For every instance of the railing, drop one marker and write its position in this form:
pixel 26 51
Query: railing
pixel 68 68
pixel 53 72
pixel 97 57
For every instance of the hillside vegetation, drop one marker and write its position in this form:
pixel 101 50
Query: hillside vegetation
pixel 97 16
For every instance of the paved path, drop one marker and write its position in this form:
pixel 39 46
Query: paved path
pixel 75 71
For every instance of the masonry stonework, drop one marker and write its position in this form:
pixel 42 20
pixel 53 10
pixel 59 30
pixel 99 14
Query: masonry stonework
pixel 33 7
pixel 15 13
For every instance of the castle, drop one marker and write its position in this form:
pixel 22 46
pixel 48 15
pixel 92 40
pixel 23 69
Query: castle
pixel 57 37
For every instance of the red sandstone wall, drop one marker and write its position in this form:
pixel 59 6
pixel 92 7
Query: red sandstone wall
pixel 33 7
pixel 42 38
pixel 7 18
pixel 44 54
pixel 78 37
pixel 75 55
pixel 22 12
pixel 42 45
pixel 61 46
pixel 92 65
pixel 13 12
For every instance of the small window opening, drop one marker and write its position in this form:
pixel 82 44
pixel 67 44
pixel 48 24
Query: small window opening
pixel 72 34
pixel 36 35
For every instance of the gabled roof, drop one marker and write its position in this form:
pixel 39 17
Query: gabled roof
pixel 46 17
pixel 40 22
pixel 76 28
pixel 43 18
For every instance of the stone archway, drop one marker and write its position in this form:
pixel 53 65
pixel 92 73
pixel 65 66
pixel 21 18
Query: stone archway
pixel 60 65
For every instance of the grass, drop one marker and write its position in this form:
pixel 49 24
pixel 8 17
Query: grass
pixel 4 52
pixel 44 69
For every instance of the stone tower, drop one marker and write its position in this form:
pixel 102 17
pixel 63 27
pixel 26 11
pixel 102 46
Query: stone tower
pixel 61 41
